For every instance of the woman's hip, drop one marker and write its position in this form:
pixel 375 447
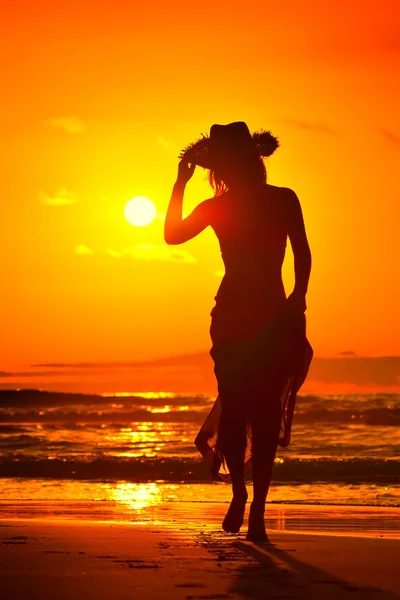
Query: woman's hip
pixel 241 322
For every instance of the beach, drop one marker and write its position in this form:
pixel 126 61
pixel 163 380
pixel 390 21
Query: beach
pixel 75 558
pixel 107 497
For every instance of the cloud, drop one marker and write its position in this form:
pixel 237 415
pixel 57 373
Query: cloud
pixel 348 372
pixel 147 252
pixel 315 127
pixel 165 253
pixel 82 249
pixel 71 124
pixel 347 353
pixel 11 374
pixel 363 371
pixel 393 138
pixel 60 198
pixel 113 253
pixel 162 142
pixel 182 360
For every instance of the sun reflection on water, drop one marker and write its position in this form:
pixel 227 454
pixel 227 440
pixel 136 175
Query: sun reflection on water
pixel 163 409
pixel 147 395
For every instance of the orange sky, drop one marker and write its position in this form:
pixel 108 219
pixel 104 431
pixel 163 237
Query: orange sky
pixel 99 98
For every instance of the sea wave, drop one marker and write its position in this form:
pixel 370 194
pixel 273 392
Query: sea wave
pixel 355 471
pixel 35 406
pixel 149 437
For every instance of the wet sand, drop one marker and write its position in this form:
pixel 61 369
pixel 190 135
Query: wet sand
pixel 72 559
pixel 192 507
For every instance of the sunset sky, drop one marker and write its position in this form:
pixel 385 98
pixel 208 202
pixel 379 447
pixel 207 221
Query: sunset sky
pixel 98 99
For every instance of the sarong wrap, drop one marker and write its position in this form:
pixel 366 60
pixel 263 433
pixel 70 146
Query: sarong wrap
pixel 280 352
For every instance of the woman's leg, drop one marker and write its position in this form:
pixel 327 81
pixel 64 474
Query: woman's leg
pixel 265 424
pixel 232 442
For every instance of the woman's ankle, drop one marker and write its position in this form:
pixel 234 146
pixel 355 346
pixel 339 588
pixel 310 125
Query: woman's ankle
pixel 239 489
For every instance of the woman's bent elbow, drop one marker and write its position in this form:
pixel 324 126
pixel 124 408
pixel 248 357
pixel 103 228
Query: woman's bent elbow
pixel 171 240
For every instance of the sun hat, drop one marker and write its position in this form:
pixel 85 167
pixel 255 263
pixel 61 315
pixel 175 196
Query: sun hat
pixel 231 139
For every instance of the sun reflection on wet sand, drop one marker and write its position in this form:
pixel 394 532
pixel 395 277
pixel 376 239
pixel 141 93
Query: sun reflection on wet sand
pixel 192 505
pixel 136 497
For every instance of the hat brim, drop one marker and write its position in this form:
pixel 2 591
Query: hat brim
pixel 198 152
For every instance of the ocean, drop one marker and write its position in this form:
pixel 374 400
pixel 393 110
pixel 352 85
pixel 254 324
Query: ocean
pixel 345 449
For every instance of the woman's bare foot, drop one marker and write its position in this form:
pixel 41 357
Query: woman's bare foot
pixel 234 517
pixel 256 531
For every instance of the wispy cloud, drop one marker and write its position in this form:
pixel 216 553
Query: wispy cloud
pixel 379 371
pixel 149 252
pixel 393 138
pixel 113 253
pixel 315 127
pixel 161 141
pixel 154 252
pixel 82 249
pixel 11 374
pixel 61 198
pixel 70 124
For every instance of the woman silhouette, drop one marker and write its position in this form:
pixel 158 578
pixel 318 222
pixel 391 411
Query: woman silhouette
pixel 260 350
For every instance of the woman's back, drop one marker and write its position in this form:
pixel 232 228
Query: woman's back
pixel 252 233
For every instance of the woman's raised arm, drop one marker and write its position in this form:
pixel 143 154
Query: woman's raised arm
pixel 178 230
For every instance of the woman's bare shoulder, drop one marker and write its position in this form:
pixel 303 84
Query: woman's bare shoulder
pixel 286 196
pixel 210 206
pixel 284 191
pixel 217 200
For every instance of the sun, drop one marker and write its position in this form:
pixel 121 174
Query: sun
pixel 139 211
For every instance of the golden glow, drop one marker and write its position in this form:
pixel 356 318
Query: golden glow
pixel 136 496
pixel 140 211
pixel 94 136
pixel 164 409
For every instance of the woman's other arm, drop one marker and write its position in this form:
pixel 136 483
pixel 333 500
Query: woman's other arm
pixel 301 250
pixel 176 229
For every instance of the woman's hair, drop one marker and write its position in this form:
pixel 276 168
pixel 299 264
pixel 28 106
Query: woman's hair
pixel 251 168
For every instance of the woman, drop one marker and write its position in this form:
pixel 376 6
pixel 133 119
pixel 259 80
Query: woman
pixel 260 349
